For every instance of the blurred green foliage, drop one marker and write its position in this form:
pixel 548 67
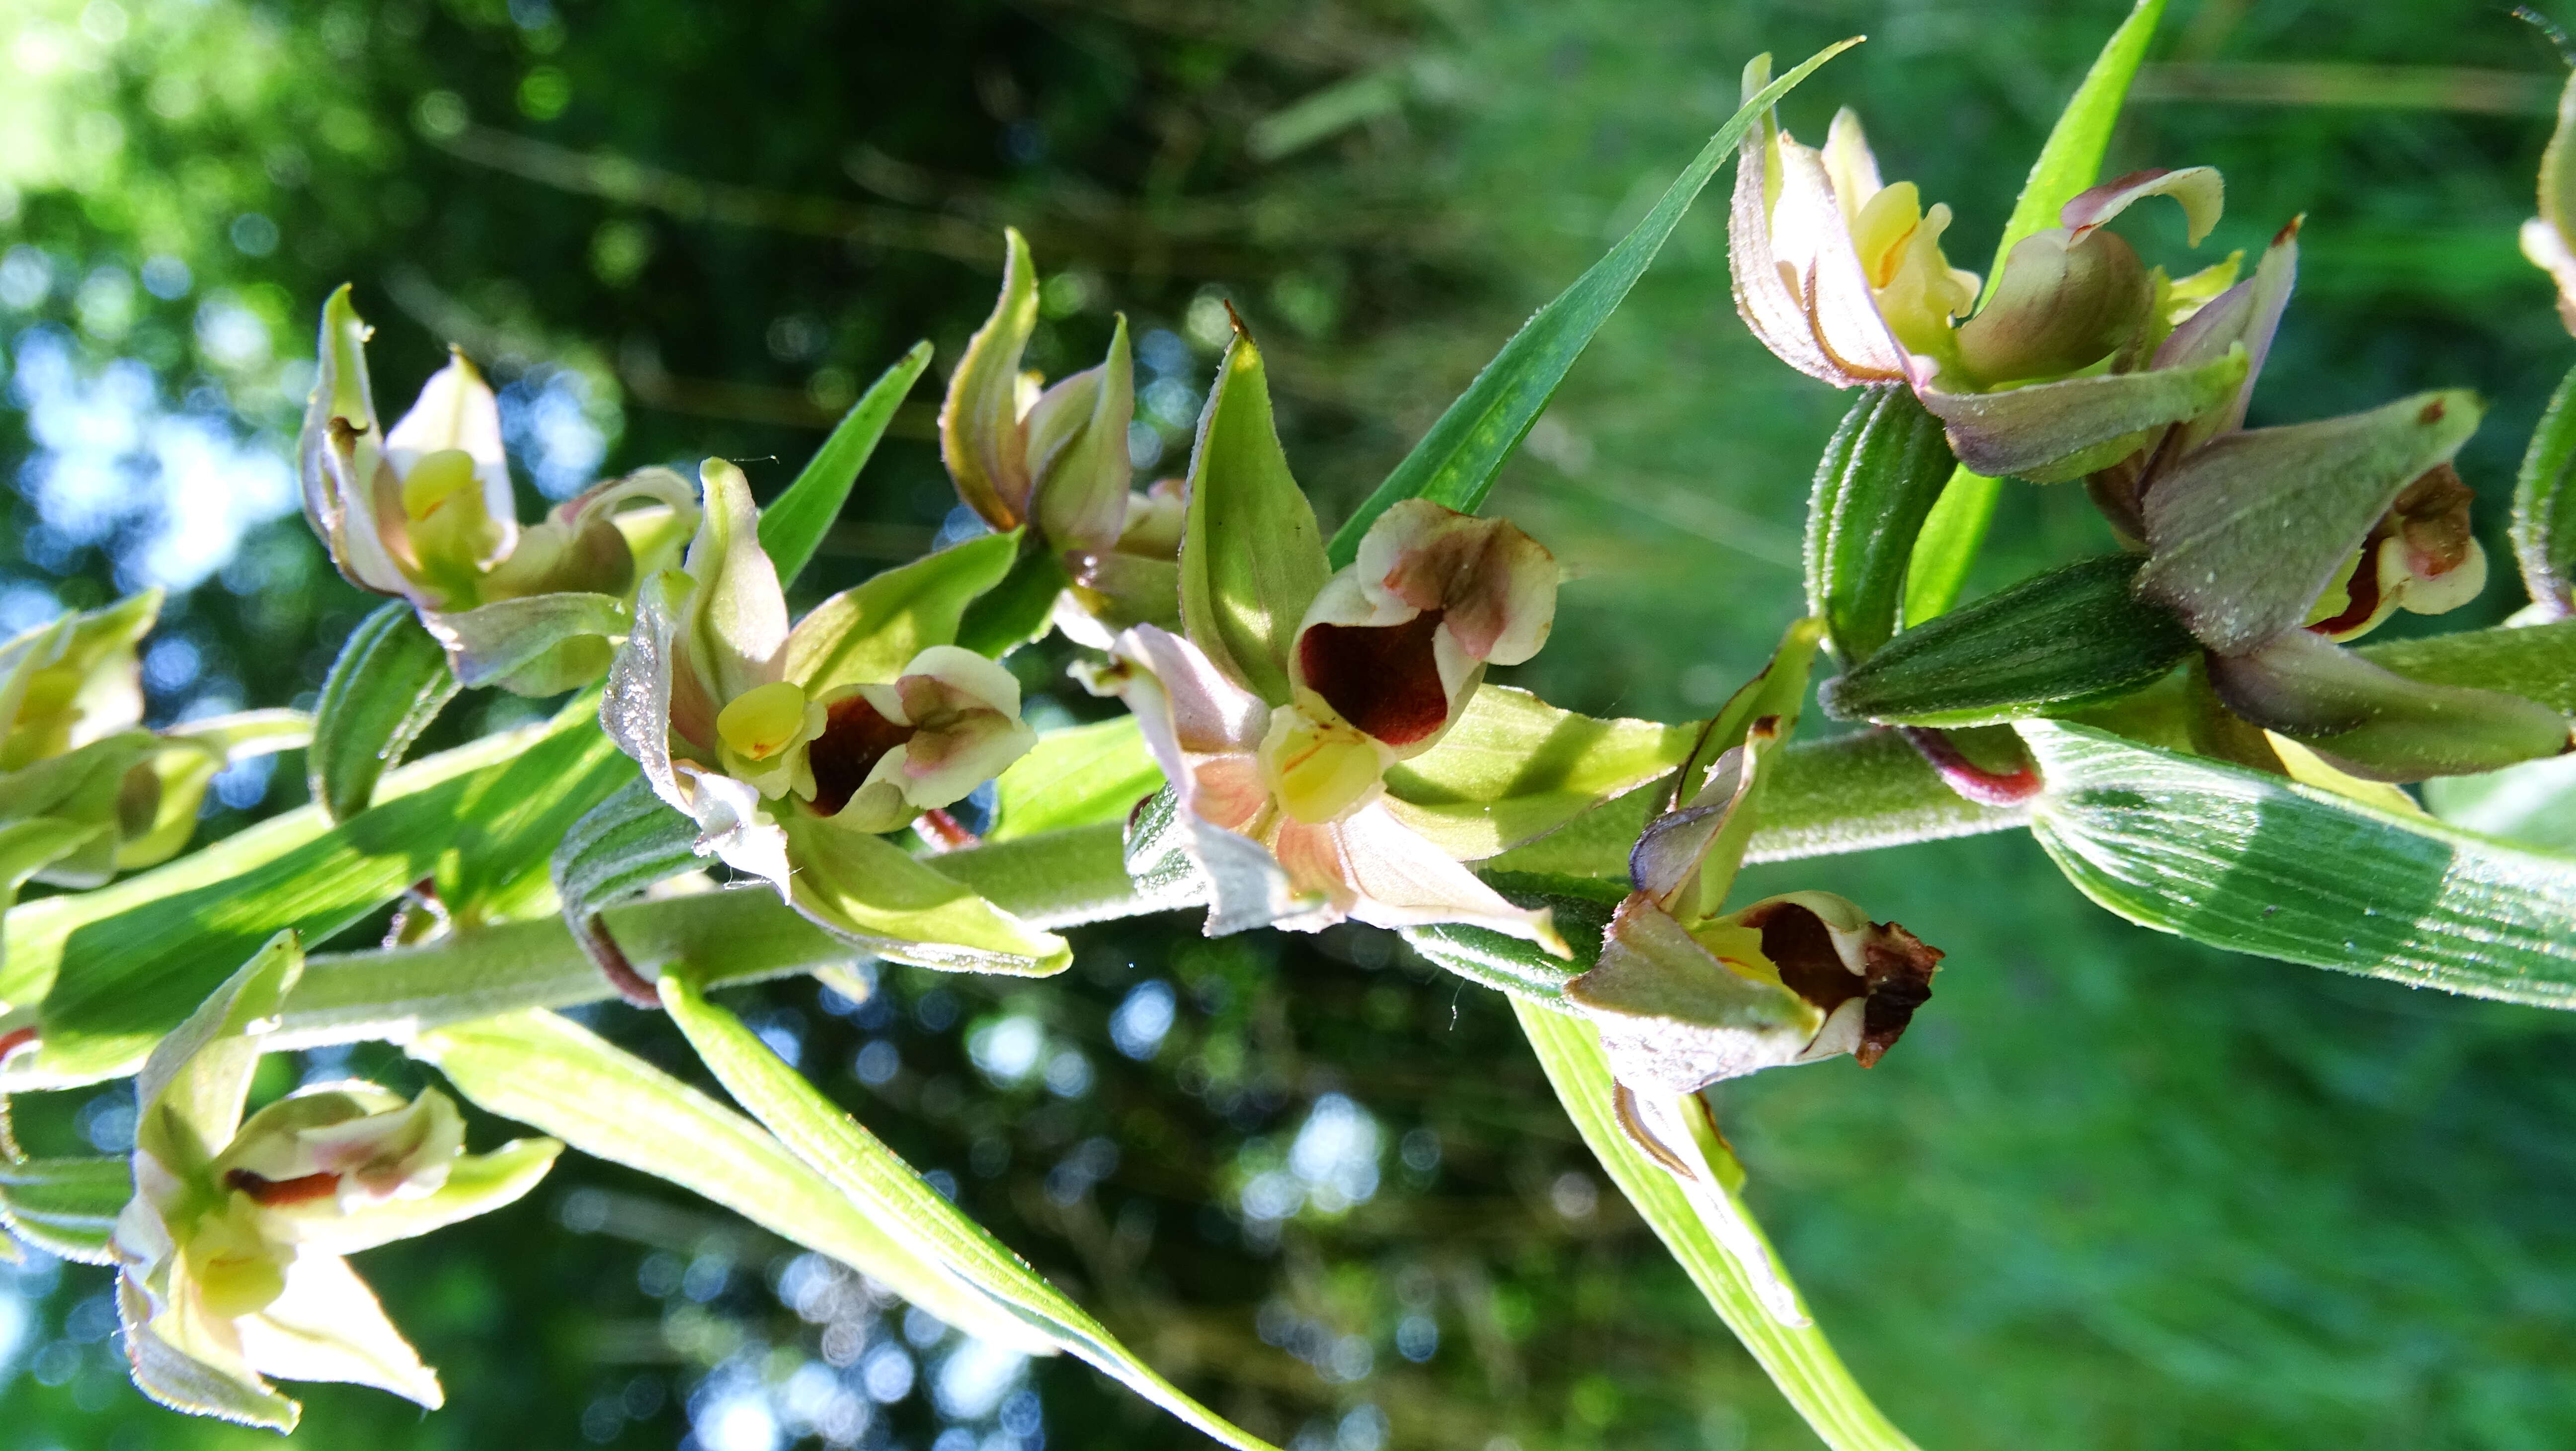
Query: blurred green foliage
pixel 2114 1190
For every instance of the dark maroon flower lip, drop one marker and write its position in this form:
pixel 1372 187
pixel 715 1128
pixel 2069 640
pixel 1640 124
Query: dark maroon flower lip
pixel 303 1189
pixel 1384 679
pixel 1895 976
pixel 856 735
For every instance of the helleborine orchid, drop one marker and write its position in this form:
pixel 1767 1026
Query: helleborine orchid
pixel 1054 460
pixel 795 750
pixel 85 791
pixel 231 1251
pixel 2549 239
pixel 1685 994
pixel 1841 275
pixel 1379 667
pixel 424 512
pixel 2273 544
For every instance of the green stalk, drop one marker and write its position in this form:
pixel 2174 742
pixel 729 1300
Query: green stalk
pixel 1799 1360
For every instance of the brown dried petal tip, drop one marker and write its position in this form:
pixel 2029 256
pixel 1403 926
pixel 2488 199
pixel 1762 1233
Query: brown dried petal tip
pixel 1896 970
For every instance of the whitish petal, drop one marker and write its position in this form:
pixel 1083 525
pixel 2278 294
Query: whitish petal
pixel 737 621
pixel 329 1327
pixel 638 710
pixel 1205 713
pixel 456 410
pixel 1374 869
pixel 1495 585
pixel 734 824
pixel 476 1184
pixel 1810 239
pixel 189 1364
pixel 1767 294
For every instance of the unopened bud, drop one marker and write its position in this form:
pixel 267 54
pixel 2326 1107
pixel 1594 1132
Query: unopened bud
pixel 2065 301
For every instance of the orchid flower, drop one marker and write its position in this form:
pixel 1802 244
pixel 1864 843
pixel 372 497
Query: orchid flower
pixel 85 791
pixel 2549 239
pixel 1685 994
pixel 424 512
pixel 2275 544
pixel 794 751
pixel 1285 802
pixel 230 1254
pixel 1841 275
pixel 1054 460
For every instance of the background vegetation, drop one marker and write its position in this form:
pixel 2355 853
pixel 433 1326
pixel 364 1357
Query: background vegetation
pixel 2113 1191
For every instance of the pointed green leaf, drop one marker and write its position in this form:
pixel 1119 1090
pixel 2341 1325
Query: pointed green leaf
pixel 389 682
pixel 889 1192
pixel 868 634
pixel 1083 776
pixel 559 1077
pixel 1456 463
pixel 1580 908
pixel 66 1207
pixel 1878 479
pixel 1252 557
pixel 864 888
pixel 1017 610
pixel 2070 637
pixel 2544 497
pixel 794 524
pixel 1718 1258
pixel 1515 768
pixel 114 968
pixel 2255 863
pixel 2070 161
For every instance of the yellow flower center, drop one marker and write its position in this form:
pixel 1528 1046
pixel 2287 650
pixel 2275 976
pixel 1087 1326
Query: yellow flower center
pixel 764 720
pixel 435 479
pixel 1318 772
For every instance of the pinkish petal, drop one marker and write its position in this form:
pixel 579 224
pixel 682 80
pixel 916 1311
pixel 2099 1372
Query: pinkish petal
pixel 1495 585
pixel 1375 870
pixel 2248 313
pixel 1208 714
pixel 1811 239
pixel 1765 296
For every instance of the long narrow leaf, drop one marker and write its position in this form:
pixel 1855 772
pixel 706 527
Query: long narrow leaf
pixel 2256 863
pixel 115 968
pixel 2069 161
pixel 890 1193
pixel 1455 464
pixel 1798 1358
pixel 564 1080
pixel 793 525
